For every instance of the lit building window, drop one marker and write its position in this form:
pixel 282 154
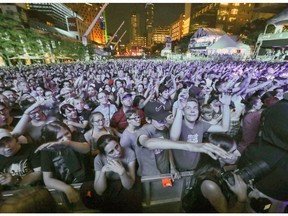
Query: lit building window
pixel 236 4
pixel 234 11
pixel 231 19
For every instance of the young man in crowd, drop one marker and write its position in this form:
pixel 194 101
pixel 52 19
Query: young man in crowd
pixel 19 164
pixel 187 127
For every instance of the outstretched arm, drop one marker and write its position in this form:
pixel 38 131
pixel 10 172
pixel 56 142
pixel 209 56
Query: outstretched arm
pixel 159 143
pixel 226 99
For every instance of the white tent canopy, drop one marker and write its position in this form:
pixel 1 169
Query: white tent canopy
pixel 226 45
pixel 202 32
pixel 224 42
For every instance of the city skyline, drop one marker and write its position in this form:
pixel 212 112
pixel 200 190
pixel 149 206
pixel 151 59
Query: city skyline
pixel 116 13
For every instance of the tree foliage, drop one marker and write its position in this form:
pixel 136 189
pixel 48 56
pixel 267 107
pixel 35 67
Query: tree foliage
pixel 15 40
pixel 251 31
pixel 156 49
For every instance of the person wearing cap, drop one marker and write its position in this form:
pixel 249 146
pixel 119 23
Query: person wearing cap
pixel 153 145
pixel 153 162
pixel 119 120
pixel 19 164
pixel 187 127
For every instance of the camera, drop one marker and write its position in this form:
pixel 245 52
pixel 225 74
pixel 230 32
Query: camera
pixel 252 172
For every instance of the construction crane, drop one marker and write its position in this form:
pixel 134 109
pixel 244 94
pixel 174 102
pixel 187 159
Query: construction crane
pixel 119 39
pixel 84 37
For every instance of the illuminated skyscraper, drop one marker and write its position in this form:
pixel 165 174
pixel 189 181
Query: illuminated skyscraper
pixel 149 9
pixel 135 25
pixel 230 17
pixel 89 12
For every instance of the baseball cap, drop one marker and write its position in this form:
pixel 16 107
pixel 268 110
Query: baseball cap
pixel 156 111
pixel 194 91
pixel 125 94
pixel 4 133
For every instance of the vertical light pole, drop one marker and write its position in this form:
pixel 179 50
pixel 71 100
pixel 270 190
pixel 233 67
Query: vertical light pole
pixel 84 37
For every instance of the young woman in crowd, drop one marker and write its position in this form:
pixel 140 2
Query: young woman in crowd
pixel 98 129
pixel 115 184
pixel 251 122
pixel 63 161
pixel 72 120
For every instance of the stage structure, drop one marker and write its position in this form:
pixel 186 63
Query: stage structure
pixel 274 41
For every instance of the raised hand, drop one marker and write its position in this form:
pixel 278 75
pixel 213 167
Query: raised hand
pixel 182 99
pixel 115 166
pixel 225 98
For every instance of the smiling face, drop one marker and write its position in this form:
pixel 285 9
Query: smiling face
pixel 71 113
pixel 191 111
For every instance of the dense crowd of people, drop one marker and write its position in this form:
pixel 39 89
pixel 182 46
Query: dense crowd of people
pixel 107 123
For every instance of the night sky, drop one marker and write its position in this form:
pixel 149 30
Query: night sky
pixel 116 13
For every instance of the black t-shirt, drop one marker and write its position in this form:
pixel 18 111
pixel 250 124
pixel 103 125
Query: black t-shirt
pixel 84 115
pixel 65 164
pixel 22 163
